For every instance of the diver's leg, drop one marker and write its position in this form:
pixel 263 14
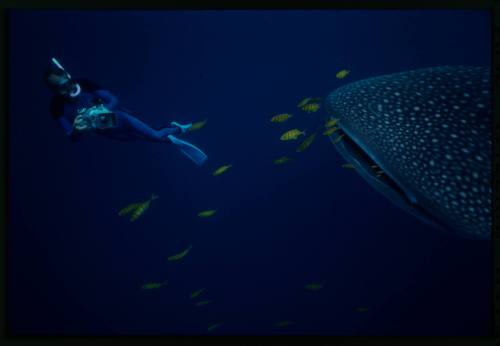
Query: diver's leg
pixel 167 130
pixel 119 136
pixel 135 127
pixel 130 126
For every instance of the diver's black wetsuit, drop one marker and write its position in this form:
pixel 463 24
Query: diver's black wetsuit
pixel 128 128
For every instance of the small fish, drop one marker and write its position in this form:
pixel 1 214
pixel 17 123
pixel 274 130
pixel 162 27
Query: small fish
pixel 342 74
pixel 292 135
pixel 196 293
pixel 282 160
pixel 280 118
pixel 304 102
pixel 331 122
pixel 153 285
pixel 308 100
pixel 306 143
pixel 283 323
pixel 377 170
pixel 213 326
pixel 348 166
pixel 311 107
pixel 204 302
pixel 198 125
pixel 330 131
pixel 207 213
pixel 361 309
pixel 179 256
pixel 128 209
pixel 137 209
pixel 338 139
pixel 221 170
pixel 314 287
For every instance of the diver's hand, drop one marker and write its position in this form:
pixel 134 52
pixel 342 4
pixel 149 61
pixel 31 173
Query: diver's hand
pixel 97 101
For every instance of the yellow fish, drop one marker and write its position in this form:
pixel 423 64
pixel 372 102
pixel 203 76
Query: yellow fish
pixel 306 143
pixel 342 74
pixel 221 170
pixel 153 285
pixel 213 326
pixel 282 160
pixel 196 293
pixel 348 166
pixel 137 209
pixel 179 256
pixel 207 213
pixel 361 309
pixel 314 287
pixel 308 100
pixel 292 135
pixel 198 125
pixel 377 170
pixel 330 131
pixel 279 118
pixel 331 122
pixel 311 107
pixel 128 209
pixel 304 102
pixel 283 323
pixel 204 302
pixel 337 139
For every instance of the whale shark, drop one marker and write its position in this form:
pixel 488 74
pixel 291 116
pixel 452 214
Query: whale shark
pixel 428 133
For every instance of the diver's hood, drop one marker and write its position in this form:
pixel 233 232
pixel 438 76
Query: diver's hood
pixel 71 87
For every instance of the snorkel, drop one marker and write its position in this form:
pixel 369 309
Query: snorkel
pixel 72 88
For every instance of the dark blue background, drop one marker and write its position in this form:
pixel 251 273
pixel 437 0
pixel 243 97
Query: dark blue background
pixel 76 267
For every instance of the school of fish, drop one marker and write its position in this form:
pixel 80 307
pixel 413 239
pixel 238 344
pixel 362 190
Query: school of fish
pixel 331 128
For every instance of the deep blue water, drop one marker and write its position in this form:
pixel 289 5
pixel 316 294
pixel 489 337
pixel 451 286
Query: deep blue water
pixel 76 267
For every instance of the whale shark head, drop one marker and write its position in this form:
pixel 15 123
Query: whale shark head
pixel 423 139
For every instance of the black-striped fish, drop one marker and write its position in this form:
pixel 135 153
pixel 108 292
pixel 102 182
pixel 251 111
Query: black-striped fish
pixel 342 74
pixel 311 107
pixel 137 209
pixel 306 143
pixel 292 135
pixel 280 118
pixel 153 285
pixel 181 255
pixel 198 125
pixel 282 160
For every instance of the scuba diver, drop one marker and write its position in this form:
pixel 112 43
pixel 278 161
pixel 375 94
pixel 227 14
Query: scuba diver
pixel 81 106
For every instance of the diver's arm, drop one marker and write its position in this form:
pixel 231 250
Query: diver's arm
pixel 66 125
pixel 109 100
pixel 57 112
pixel 68 129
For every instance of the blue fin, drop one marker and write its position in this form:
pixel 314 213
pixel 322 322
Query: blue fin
pixel 189 150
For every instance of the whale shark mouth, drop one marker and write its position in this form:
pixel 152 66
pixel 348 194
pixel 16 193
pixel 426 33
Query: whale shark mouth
pixel 364 160
pixel 375 174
